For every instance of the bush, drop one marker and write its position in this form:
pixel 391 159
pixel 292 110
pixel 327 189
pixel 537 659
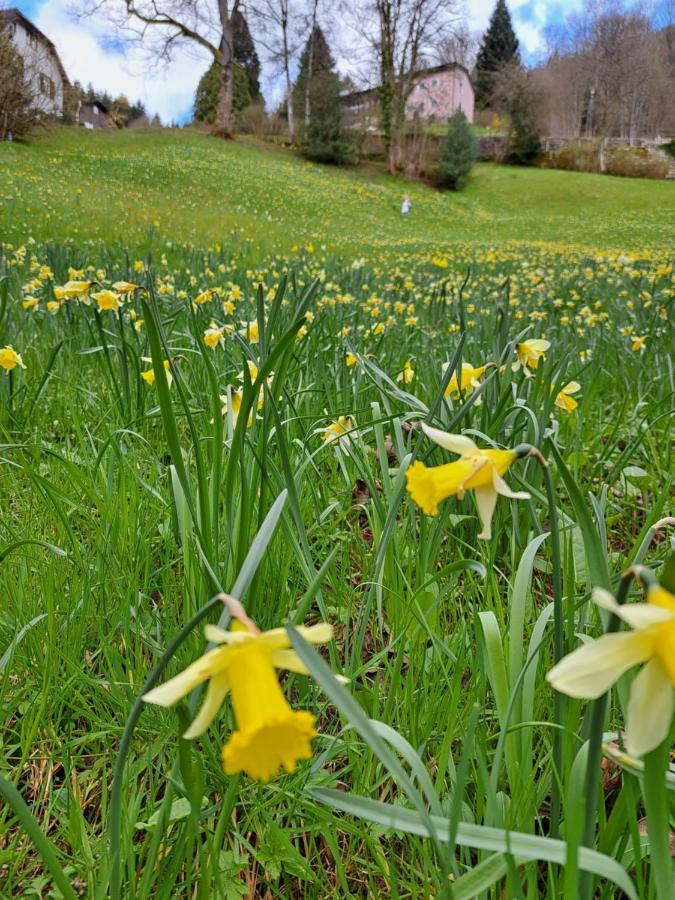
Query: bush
pixel 325 139
pixel 636 162
pixel 581 156
pixel 457 152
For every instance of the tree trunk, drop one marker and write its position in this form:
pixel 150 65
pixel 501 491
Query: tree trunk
pixel 287 70
pixel 223 125
pixel 310 66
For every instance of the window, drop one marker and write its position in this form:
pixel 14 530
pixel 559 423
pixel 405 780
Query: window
pixel 32 40
pixel 95 109
pixel 47 86
pixel 11 29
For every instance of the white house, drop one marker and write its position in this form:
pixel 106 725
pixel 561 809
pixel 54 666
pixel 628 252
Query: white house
pixel 44 70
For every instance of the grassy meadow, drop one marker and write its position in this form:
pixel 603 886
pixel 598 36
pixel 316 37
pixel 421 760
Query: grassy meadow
pixel 218 361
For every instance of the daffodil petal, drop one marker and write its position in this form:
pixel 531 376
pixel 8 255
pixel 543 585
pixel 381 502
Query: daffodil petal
pixel 456 443
pixel 313 634
pixel 571 388
pixel 217 635
pixel 216 692
pixel 650 709
pixel 486 500
pixel 289 660
pixel 637 615
pixel 590 670
pixel 180 686
pixel 501 487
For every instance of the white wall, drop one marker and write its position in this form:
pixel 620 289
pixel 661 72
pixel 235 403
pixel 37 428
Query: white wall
pixel 39 60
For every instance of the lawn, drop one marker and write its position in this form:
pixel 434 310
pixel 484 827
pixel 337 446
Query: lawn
pixel 216 363
pixel 186 187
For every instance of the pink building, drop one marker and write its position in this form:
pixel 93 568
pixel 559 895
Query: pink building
pixel 437 93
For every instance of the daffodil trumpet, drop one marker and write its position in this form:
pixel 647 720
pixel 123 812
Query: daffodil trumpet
pixel 477 469
pixel 269 734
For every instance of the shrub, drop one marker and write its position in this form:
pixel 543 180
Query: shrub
pixel 325 139
pixel 636 162
pixel 457 152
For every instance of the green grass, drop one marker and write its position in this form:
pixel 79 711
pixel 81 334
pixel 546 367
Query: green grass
pixel 127 506
pixel 138 187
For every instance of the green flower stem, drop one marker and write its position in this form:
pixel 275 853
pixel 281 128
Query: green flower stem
pixel 42 844
pixel 595 750
pixel 115 819
pixel 656 805
pixel 560 703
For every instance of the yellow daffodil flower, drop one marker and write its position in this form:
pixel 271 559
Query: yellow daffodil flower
pixel 469 381
pixel 351 360
pixel 149 375
pixel 237 398
pixel 204 297
pixel 125 287
pixel 72 290
pixel 408 373
pixel 250 331
pixel 593 668
pixel 338 431
pixel 529 353
pixel 639 343
pixel 269 733
pixel 30 302
pixel 107 300
pixel 564 400
pixel 10 359
pixel 214 336
pixel 476 469
pixel 53 306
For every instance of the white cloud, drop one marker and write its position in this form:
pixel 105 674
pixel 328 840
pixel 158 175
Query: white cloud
pixel 87 55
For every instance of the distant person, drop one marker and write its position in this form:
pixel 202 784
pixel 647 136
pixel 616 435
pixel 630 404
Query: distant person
pixel 406 205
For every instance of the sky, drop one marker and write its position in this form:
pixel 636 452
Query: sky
pixel 90 56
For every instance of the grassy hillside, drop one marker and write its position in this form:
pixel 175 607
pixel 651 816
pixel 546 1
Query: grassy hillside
pixel 192 188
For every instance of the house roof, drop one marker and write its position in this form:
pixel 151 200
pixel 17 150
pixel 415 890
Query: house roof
pixel 14 15
pixel 420 73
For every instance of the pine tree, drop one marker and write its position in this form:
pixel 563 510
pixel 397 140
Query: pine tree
pixel 324 138
pixel 498 48
pixel 457 152
pixel 316 72
pixel 206 95
pixel 244 52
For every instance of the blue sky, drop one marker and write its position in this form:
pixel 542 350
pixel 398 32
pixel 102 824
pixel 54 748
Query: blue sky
pixel 89 55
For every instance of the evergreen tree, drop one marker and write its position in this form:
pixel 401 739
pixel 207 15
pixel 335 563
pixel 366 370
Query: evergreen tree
pixel 524 143
pixel 317 70
pixel 244 52
pixel 206 95
pixel 457 152
pixel 498 48
pixel 317 92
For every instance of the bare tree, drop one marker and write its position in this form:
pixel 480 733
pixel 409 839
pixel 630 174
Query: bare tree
pixel 460 47
pixel 310 62
pixel 19 102
pixel 609 73
pixel 281 26
pixel 406 35
pixel 164 25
